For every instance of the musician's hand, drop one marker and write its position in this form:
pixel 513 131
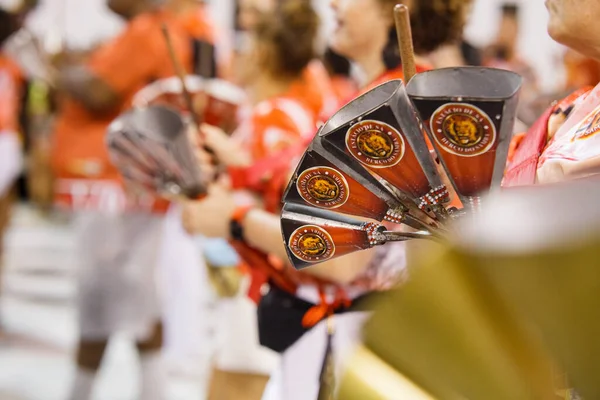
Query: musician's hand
pixel 555 121
pixel 210 216
pixel 559 117
pixel 228 151
pixel 206 161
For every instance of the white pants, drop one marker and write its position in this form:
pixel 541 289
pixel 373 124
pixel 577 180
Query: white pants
pixel 184 290
pixel 11 160
pixel 238 349
pixel 117 265
pixel 297 378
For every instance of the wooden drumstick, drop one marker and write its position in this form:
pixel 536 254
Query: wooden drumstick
pixel 405 42
pixel 180 71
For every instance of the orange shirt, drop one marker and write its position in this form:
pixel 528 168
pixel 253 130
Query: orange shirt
pixel 282 125
pixel 343 87
pixel 390 76
pixel 135 58
pixel 198 25
pixel 272 127
pixel 383 78
pixel 10 83
pixel 318 91
pixel 279 124
pixel 283 121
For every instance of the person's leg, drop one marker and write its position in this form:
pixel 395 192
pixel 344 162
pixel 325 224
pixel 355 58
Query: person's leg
pixel 231 385
pixel 11 162
pixel 5 206
pixel 301 364
pixel 184 294
pixel 117 293
pixel 89 360
pixel 91 229
pixel 273 390
pixel 153 374
pixel 242 367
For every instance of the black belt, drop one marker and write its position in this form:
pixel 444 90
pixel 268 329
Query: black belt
pixel 280 317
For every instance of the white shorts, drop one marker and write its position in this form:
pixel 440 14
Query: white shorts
pixel 184 292
pixel 298 375
pixel 238 347
pixel 117 257
pixel 11 160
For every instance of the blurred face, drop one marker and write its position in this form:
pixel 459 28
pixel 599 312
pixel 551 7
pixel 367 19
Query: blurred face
pixel 574 23
pixel 362 28
pixel 509 31
pixel 248 63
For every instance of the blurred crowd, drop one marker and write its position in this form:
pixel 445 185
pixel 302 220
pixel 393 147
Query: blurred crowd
pixel 263 101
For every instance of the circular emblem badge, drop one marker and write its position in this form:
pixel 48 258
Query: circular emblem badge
pixel 463 129
pixel 589 127
pixel 323 187
pixel 375 144
pixel 311 244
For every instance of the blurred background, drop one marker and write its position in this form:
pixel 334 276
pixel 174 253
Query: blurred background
pixel 38 323
pixel 82 24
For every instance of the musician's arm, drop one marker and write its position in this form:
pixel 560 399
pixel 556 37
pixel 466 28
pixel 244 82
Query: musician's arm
pixel 228 151
pixel 117 69
pixel 262 231
pixel 87 88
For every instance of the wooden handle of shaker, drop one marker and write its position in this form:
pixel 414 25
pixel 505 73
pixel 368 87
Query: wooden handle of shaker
pixel 405 42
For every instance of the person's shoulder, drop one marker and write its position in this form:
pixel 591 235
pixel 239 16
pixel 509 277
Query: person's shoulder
pixel 391 75
pixel 269 113
pixel 147 28
pixel 316 72
pixel 146 23
pixel 574 97
pixel 198 23
pixel 422 67
pixel 284 115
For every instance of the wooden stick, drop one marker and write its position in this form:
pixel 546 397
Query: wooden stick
pixel 180 71
pixel 405 42
pixel 181 74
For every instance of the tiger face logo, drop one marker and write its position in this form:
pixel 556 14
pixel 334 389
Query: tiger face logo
pixel 311 244
pixel 463 129
pixel 323 187
pixel 375 144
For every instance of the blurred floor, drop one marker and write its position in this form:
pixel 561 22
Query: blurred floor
pixel 39 321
